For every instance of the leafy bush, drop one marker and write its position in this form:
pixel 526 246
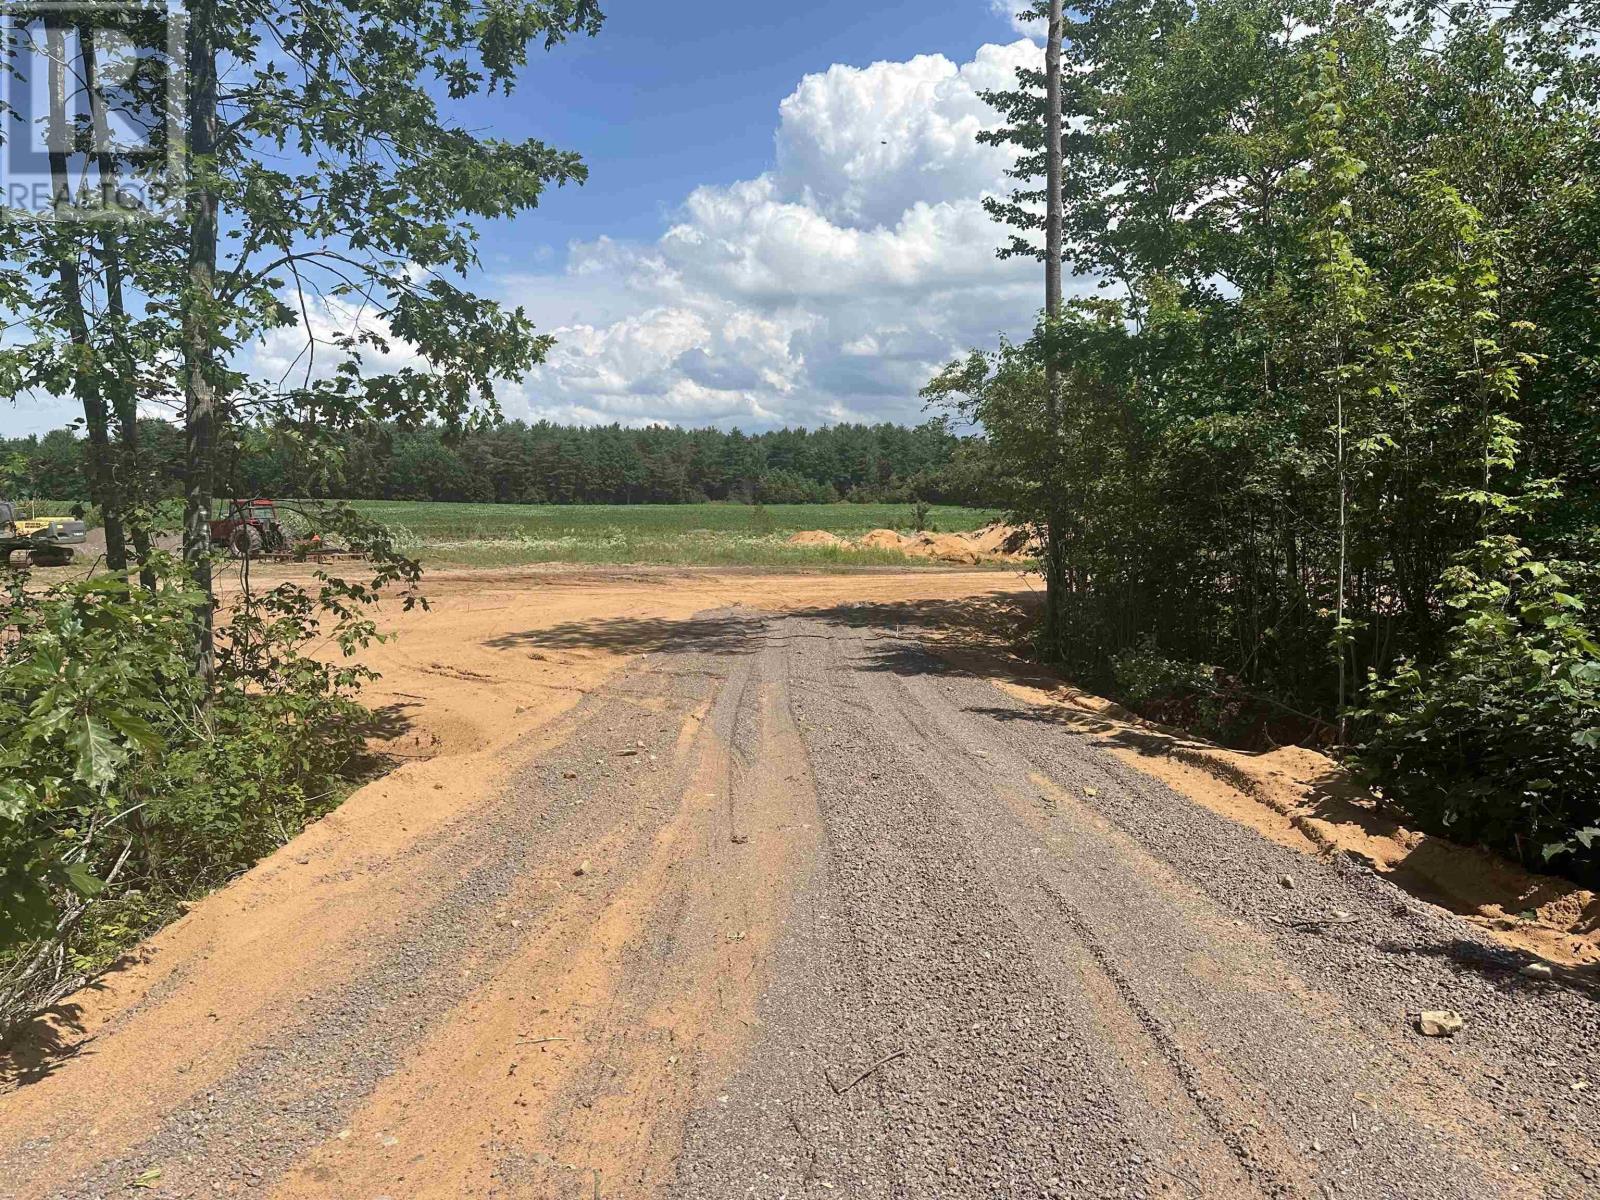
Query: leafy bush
pixel 124 787
pixel 1144 675
pixel 1206 700
pixel 1498 743
pixel 87 672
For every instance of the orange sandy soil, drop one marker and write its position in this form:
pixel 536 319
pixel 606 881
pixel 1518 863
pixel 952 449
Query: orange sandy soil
pixel 469 697
pixel 1307 802
pixel 1303 800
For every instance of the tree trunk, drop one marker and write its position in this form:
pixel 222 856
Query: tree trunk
pixel 103 489
pixel 199 322
pixel 122 380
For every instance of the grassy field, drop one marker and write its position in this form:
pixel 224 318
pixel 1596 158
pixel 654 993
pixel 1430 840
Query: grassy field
pixel 693 534
pixel 499 535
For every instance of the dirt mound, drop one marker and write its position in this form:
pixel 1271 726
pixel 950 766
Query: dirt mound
pixel 945 547
pixel 993 543
pixel 1010 541
pixel 816 537
pixel 882 539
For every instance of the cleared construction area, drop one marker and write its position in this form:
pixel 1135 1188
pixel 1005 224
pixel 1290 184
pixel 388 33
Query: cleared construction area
pixel 724 884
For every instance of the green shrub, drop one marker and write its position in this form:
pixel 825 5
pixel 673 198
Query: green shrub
pixel 89 673
pixel 1498 742
pixel 125 787
pixel 1144 675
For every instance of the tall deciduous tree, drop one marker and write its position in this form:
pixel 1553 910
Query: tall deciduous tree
pixel 330 190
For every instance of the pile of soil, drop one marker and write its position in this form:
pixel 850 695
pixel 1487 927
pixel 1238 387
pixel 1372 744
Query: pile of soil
pixel 881 539
pixel 1012 541
pixel 816 537
pixel 945 547
pixel 993 543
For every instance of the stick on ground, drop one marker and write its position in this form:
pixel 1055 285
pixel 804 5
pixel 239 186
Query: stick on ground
pixel 887 1058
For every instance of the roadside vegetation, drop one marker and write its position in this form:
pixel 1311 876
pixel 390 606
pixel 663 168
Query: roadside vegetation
pixel 158 742
pixel 1316 449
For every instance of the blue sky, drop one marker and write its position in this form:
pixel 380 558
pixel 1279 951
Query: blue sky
pixel 783 222
pixel 672 96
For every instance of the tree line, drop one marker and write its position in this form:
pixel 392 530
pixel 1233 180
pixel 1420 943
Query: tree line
pixel 541 463
pixel 1324 458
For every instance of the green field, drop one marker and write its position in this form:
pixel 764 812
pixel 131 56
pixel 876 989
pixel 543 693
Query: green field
pixel 500 535
pixel 692 534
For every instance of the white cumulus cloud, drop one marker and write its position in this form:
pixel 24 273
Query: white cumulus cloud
pixel 1010 10
pixel 828 288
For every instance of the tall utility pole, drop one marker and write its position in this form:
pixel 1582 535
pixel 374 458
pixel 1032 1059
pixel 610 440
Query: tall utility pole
pixel 1055 574
pixel 1052 171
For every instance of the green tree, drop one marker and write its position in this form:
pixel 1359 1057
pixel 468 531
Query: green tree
pixel 328 173
pixel 1348 259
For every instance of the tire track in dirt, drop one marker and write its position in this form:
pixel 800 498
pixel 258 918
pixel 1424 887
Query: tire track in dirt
pixel 652 996
pixel 1224 1126
pixel 1193 1135
pixel 1203 1121
pixel 902 946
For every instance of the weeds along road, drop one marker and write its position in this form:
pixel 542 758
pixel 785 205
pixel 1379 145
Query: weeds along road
pixel 768 903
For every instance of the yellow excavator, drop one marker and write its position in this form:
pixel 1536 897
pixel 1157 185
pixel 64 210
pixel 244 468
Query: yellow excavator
pixel 46 541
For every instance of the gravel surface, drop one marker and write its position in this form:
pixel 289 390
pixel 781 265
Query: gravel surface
pixel 1097 988
pixel 808 912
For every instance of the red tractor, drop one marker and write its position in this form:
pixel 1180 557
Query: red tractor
pixel 250 528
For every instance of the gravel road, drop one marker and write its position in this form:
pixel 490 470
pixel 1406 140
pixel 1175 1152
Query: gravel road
pixel 791 908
